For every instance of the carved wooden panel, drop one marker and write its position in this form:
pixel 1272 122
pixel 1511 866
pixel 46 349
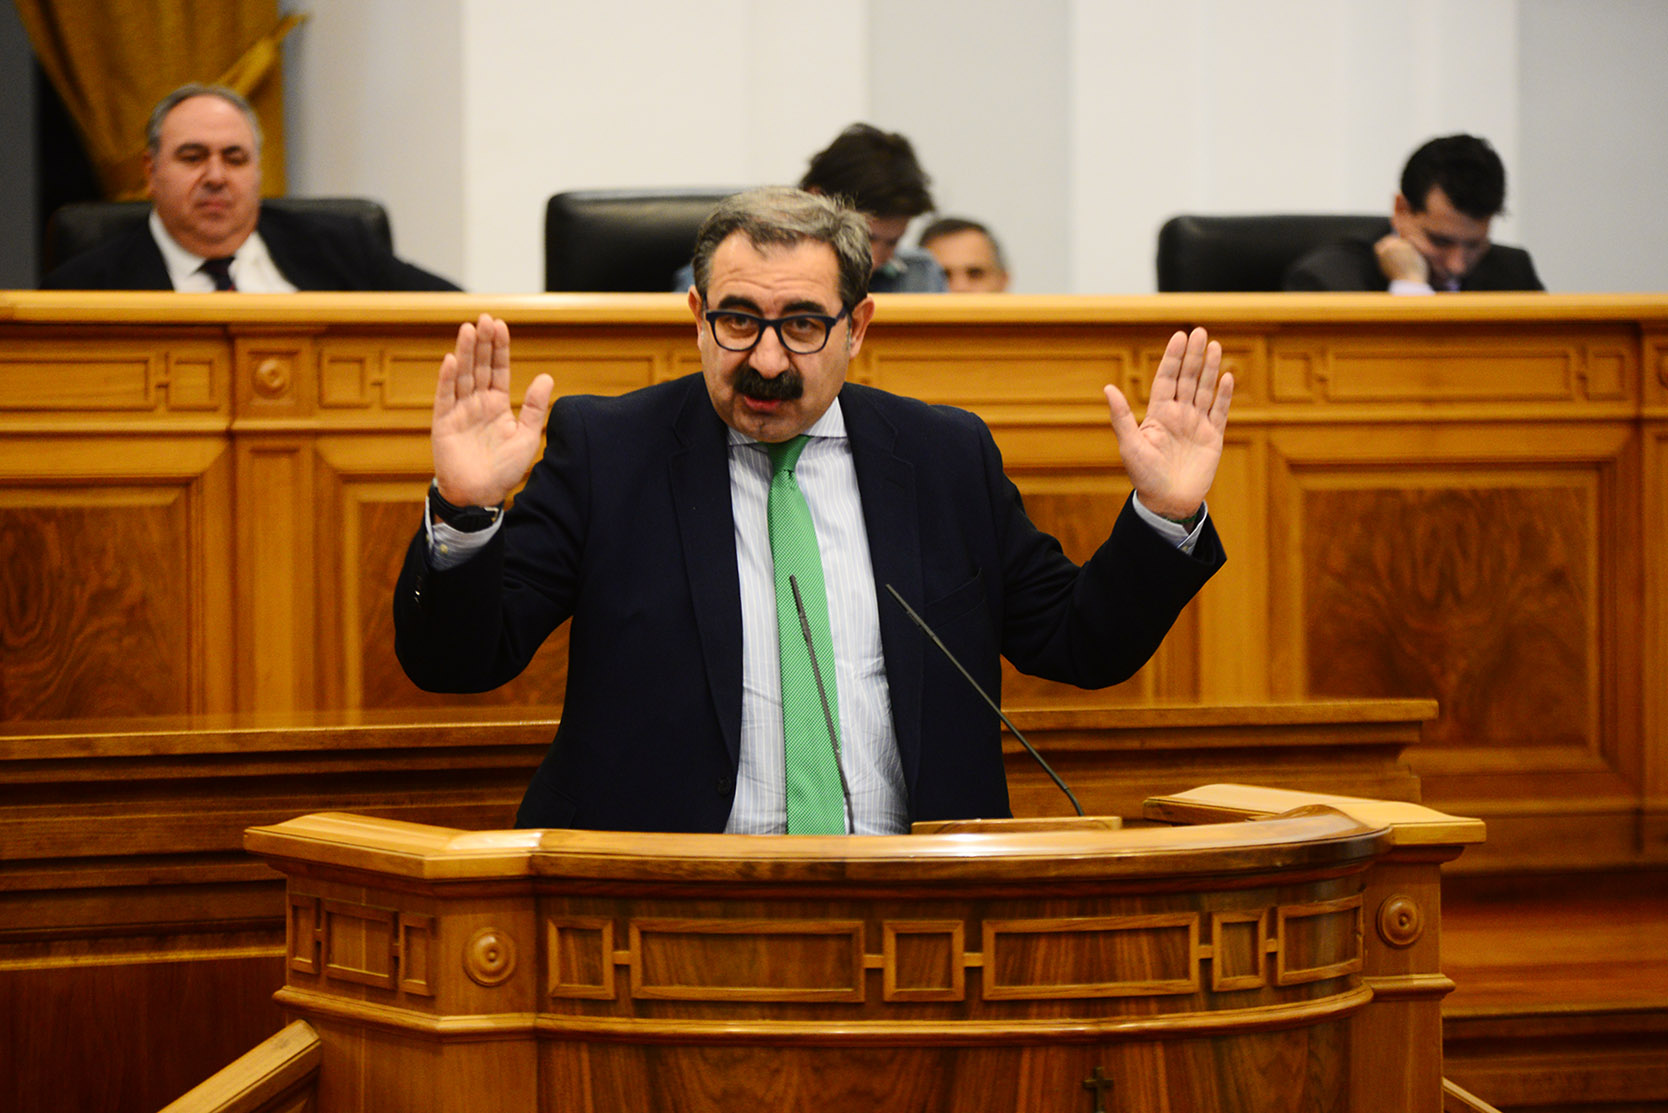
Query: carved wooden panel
pixel 166 375
pixel 978 371
pixel 1120 956
pixel 746 960
pixel 1483 597
pixel 113 594
pixel 1464 364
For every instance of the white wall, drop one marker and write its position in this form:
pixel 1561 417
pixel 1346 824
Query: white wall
pixel 1595 161
pixel 374 107
pixel 981 89
pixel 1075 127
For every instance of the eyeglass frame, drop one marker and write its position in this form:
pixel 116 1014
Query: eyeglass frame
pixel 775 323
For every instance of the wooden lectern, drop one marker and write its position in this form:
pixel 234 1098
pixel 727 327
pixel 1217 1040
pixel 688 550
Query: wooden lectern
pixel 1241 949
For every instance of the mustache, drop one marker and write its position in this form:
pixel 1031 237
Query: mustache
pixel 785 387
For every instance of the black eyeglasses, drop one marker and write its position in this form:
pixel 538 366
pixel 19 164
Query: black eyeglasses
pixel 803 334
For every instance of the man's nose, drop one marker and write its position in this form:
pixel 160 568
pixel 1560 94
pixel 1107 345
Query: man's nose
pixel 769 358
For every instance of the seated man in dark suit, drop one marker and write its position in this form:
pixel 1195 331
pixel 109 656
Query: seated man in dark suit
pixel 678 529
pixel 208 230
pixel 1438 235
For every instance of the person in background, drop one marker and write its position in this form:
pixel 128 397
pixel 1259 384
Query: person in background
pixel 1452 188
pixel 876 173
pixel 208 230
pixel 971 257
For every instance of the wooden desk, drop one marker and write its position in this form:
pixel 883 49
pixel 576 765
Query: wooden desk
pixel 203 502
pixel 131 921
pixel 1289 964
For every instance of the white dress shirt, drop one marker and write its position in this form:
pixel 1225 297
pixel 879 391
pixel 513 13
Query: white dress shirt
pixel 253 271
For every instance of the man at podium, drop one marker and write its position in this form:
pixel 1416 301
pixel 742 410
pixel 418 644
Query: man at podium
pixel 726 546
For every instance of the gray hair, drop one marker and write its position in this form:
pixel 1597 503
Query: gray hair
pixel 153 128
pixel 781 216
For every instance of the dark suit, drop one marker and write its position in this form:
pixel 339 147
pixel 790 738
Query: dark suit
pixel 625 526
pixel 315 251
pixel 1352 265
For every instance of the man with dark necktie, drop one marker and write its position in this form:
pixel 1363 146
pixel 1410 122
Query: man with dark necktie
pixel 701 535
pixel 208 230
pixel 1437 239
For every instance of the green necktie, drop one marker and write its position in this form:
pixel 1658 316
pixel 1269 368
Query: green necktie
pixel 816 803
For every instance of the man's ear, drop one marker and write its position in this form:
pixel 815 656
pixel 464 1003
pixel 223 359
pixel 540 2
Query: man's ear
pixel 1400 213
pixel 861 314
pixel 695 304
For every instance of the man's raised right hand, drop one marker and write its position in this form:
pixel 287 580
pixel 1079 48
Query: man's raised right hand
pixel 481 448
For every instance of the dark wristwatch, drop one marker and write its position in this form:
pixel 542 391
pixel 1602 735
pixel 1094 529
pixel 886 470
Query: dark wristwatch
pixel 465 519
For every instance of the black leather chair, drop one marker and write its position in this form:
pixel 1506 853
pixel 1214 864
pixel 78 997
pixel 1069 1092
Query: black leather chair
pixel 626 240
pixel 73 228
pixel 1247 253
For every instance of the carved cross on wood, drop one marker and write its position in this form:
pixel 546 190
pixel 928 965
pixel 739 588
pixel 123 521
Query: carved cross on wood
pixel 1101 1085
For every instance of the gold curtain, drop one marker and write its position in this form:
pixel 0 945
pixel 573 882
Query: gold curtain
pixel 112 60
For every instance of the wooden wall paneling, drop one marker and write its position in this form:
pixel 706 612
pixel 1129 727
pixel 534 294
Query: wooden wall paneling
pixel 114 590
pixel 1472 571
pixel 593 359
pixel 1512 370
pixel 1654 591
pixel 369 502
pixel 58 378
pixel 277 584
pixel 276 393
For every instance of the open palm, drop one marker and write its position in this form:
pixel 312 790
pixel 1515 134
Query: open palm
pixel 1171 456
pixel 481 448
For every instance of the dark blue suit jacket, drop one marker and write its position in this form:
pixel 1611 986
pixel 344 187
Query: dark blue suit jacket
pixel 625 529
pixel 315 251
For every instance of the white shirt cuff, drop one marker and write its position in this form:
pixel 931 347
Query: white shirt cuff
pixel 1174 532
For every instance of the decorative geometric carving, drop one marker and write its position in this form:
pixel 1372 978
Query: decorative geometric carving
pixel 747 960
pixel 1111 956
pixel 1605 376
pixel 1317 941
pixel 1400 920
pixel 359 943
pixel 1406 371
pixel 415 944
pixel 118 377
pixel 489 957
pixel 1294 378
pixel 923 960
pixel 579 955
pixel 1481 597
pixel 306 933
pixel 1239 950
pixel 344 380
pixel 191 382
pixel 272 377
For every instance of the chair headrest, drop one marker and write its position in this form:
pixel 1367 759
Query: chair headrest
pixel 622 239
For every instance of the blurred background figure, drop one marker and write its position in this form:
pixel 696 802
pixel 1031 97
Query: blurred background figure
pixel 971 257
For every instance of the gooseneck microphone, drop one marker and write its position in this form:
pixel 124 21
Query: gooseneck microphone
pixel 951 657
pixel 822 694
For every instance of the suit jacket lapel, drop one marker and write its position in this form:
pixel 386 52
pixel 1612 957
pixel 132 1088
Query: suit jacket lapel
pixel 699 473
pixel 886 482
